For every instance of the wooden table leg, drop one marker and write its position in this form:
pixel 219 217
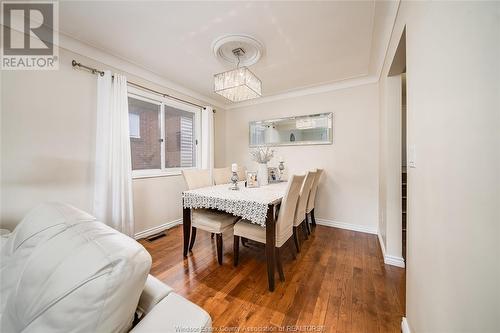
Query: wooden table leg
pixel 186 227
pixel 270 245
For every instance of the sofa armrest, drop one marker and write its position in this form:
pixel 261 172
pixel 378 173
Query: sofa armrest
pixel 174 313
pixel 154 291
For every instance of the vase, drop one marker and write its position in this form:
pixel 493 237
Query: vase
pixel 262 174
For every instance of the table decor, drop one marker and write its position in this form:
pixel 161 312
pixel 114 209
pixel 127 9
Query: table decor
pixel 262 155
pixel 234 177
pixel 281 168
pixel 252 180
pixel 272 175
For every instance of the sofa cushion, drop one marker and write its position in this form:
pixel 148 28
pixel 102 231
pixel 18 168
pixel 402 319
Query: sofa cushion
pixel 154 291
pixel 175 314
pixel 37 227
pixel 75 274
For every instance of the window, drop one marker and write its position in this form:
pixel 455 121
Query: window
pixel 180 143
pixel 135 125
pixel 163 135
pixel 146 150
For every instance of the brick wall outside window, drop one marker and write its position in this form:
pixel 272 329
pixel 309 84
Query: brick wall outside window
pixel 146 149
pixel 179 142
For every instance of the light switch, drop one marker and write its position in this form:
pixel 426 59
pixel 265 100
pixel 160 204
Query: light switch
pixel 412 156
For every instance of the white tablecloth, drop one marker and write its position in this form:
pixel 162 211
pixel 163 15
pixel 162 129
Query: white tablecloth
pixel 248 203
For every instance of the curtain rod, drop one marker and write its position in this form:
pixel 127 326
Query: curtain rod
pixel 75 64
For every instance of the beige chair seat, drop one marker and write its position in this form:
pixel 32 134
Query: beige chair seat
pixel 257 233
pixel 212 220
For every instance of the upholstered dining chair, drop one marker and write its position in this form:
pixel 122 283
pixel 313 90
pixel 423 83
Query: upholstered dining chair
pixel 284 224
pixel 222 175
pixel 312 197
pixel 300 215
pixel 210 220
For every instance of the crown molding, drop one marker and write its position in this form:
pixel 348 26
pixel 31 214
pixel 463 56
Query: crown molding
pixel 71 44
pixel 87 50
pixel 388 38
pixel 338 85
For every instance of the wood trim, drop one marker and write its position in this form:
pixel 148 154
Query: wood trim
pixel 388 259
pixel 346 226
pixel 157 229
pixel 405 327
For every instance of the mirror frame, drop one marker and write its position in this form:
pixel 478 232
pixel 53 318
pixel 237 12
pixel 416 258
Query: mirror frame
pixel 300 143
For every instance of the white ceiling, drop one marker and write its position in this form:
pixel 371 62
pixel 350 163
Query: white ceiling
pixel 306 43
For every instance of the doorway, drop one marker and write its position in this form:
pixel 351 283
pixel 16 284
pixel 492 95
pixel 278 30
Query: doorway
pixel 398 157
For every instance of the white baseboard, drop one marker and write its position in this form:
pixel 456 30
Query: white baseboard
pixel 394 261
pixel 157 229
pixel 347 226
pixel 405 327
pixel 388 259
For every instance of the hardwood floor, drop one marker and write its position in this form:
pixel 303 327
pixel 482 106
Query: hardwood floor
pixel 338 282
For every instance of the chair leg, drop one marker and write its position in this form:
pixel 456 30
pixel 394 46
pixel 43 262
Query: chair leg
pixel 279 264
pixel 308 227
pixel 212 235
pixel 193 237
pixel 313 220
pixel 296 239
pixel 218 238
pixel 304 228
pixel 293 251
pixel 236 250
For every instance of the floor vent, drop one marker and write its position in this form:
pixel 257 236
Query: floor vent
pixel 156 236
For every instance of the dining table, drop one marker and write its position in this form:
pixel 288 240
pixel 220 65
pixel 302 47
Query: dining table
pixel 257 205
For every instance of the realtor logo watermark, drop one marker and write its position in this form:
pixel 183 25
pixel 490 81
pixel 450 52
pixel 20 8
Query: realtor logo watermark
pixel 30 36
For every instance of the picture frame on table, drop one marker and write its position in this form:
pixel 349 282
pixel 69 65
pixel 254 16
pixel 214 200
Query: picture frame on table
pixel 273 175
pixel 252 180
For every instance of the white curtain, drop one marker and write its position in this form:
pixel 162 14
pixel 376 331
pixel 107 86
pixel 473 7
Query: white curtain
pixel 113 170
pixel 207 139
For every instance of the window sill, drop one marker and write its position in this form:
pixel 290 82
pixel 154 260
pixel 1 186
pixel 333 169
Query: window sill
pixel 156 174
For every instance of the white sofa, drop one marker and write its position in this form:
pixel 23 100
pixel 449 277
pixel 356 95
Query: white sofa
pixel 63 271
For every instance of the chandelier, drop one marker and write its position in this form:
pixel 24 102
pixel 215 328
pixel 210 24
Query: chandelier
pixel 239 84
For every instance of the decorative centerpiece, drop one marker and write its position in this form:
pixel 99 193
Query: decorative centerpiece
pixel 234 177
pixel 262 155
pixel 281 168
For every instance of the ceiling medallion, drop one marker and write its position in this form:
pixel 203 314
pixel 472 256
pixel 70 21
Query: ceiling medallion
pixel 239 84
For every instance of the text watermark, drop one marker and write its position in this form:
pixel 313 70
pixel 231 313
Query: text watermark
pixel 30 36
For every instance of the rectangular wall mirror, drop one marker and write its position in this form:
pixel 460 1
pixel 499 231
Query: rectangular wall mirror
pixel 314 129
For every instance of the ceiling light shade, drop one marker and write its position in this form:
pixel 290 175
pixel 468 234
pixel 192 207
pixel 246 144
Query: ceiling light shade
pixel 238 85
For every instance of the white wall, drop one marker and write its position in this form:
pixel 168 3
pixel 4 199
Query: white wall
pixel 348 192
pixel 47 139
pixel 48 145
pixel 453 113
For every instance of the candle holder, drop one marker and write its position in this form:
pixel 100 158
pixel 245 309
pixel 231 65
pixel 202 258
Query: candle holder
pixel 281 168
pixel 234 181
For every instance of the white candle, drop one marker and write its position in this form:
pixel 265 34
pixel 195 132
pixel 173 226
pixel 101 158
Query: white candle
pixel 281 159
pixel 234 167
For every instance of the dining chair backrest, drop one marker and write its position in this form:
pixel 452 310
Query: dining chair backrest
pixel 314 189
pixel 300 214
pixel 196 178
pixel 222 175
pixel 289 205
